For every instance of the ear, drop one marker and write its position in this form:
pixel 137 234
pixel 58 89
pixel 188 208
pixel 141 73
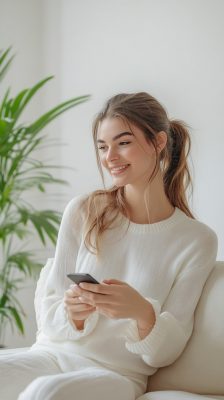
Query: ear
pixel 161 139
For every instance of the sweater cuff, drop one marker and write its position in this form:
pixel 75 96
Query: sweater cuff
pixel 89 325
pixel 150 344
pixel 57 326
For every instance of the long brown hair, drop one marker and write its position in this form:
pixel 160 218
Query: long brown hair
pixel 102 207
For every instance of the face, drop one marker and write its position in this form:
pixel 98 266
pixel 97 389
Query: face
pixel 125 154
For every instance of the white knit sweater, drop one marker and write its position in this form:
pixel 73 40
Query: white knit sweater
pixel 167 262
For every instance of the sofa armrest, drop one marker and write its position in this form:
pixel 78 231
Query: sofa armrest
pixel 5 352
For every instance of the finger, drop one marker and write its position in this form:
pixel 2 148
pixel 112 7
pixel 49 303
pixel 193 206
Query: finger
pixel 73 300
pixel 94 298
pixel 96 288
pixel 73 292
pixel 73 285
pixel 113 281
pixel 79 307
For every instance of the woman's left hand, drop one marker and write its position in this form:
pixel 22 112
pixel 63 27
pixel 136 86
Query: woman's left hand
pixel 116 299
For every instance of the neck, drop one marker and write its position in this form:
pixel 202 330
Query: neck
pixel 158 204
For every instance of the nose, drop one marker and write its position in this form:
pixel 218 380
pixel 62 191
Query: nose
pixel 112 155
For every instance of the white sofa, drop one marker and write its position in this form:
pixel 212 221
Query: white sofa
pixel 199 371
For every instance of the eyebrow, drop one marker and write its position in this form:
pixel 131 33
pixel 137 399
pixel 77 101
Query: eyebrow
pixel 117 136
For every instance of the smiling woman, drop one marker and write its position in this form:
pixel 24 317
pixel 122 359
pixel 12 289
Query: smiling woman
pixel 140 241
pixel 146 155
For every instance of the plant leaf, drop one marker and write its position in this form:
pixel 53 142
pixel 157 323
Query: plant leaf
pixel 46 222
pixel 23 262
pixel 41 122
pixel 5 67
pixel 24 97
pixel 17 319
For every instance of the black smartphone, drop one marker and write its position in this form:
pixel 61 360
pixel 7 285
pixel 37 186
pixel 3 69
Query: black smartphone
pixel 78 278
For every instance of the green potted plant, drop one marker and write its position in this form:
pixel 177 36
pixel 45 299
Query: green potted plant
pixel 20 172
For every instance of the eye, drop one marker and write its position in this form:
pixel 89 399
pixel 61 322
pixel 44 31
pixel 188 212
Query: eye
pixel 124 143
pixel 102 148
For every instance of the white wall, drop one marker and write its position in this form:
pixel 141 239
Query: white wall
pixel 172 49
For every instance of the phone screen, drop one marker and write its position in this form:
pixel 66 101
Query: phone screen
pixel 78 278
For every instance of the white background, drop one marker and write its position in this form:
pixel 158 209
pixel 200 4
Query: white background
pixel 170 48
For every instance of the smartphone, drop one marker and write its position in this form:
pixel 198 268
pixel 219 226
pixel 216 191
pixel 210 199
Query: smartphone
pixel 78 278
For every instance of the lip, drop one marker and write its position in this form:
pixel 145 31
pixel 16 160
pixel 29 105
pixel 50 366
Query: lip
pixel 119 171
pixel 117 166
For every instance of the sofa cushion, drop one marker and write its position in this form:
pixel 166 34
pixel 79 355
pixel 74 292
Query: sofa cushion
pixel 177 395
pixel 200 368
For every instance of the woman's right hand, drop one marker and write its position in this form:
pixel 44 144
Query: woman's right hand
pixel 77 310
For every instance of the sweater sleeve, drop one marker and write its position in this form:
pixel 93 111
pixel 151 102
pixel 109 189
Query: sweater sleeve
pixel 52 317
pixel 175 318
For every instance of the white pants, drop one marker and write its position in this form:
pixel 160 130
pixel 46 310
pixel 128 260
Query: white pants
pixel 37 375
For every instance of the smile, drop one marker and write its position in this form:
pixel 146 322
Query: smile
pixel 119 170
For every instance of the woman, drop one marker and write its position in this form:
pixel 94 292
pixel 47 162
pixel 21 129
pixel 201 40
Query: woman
pixel 152 258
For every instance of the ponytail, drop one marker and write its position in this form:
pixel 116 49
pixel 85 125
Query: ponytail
pixel 177 176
